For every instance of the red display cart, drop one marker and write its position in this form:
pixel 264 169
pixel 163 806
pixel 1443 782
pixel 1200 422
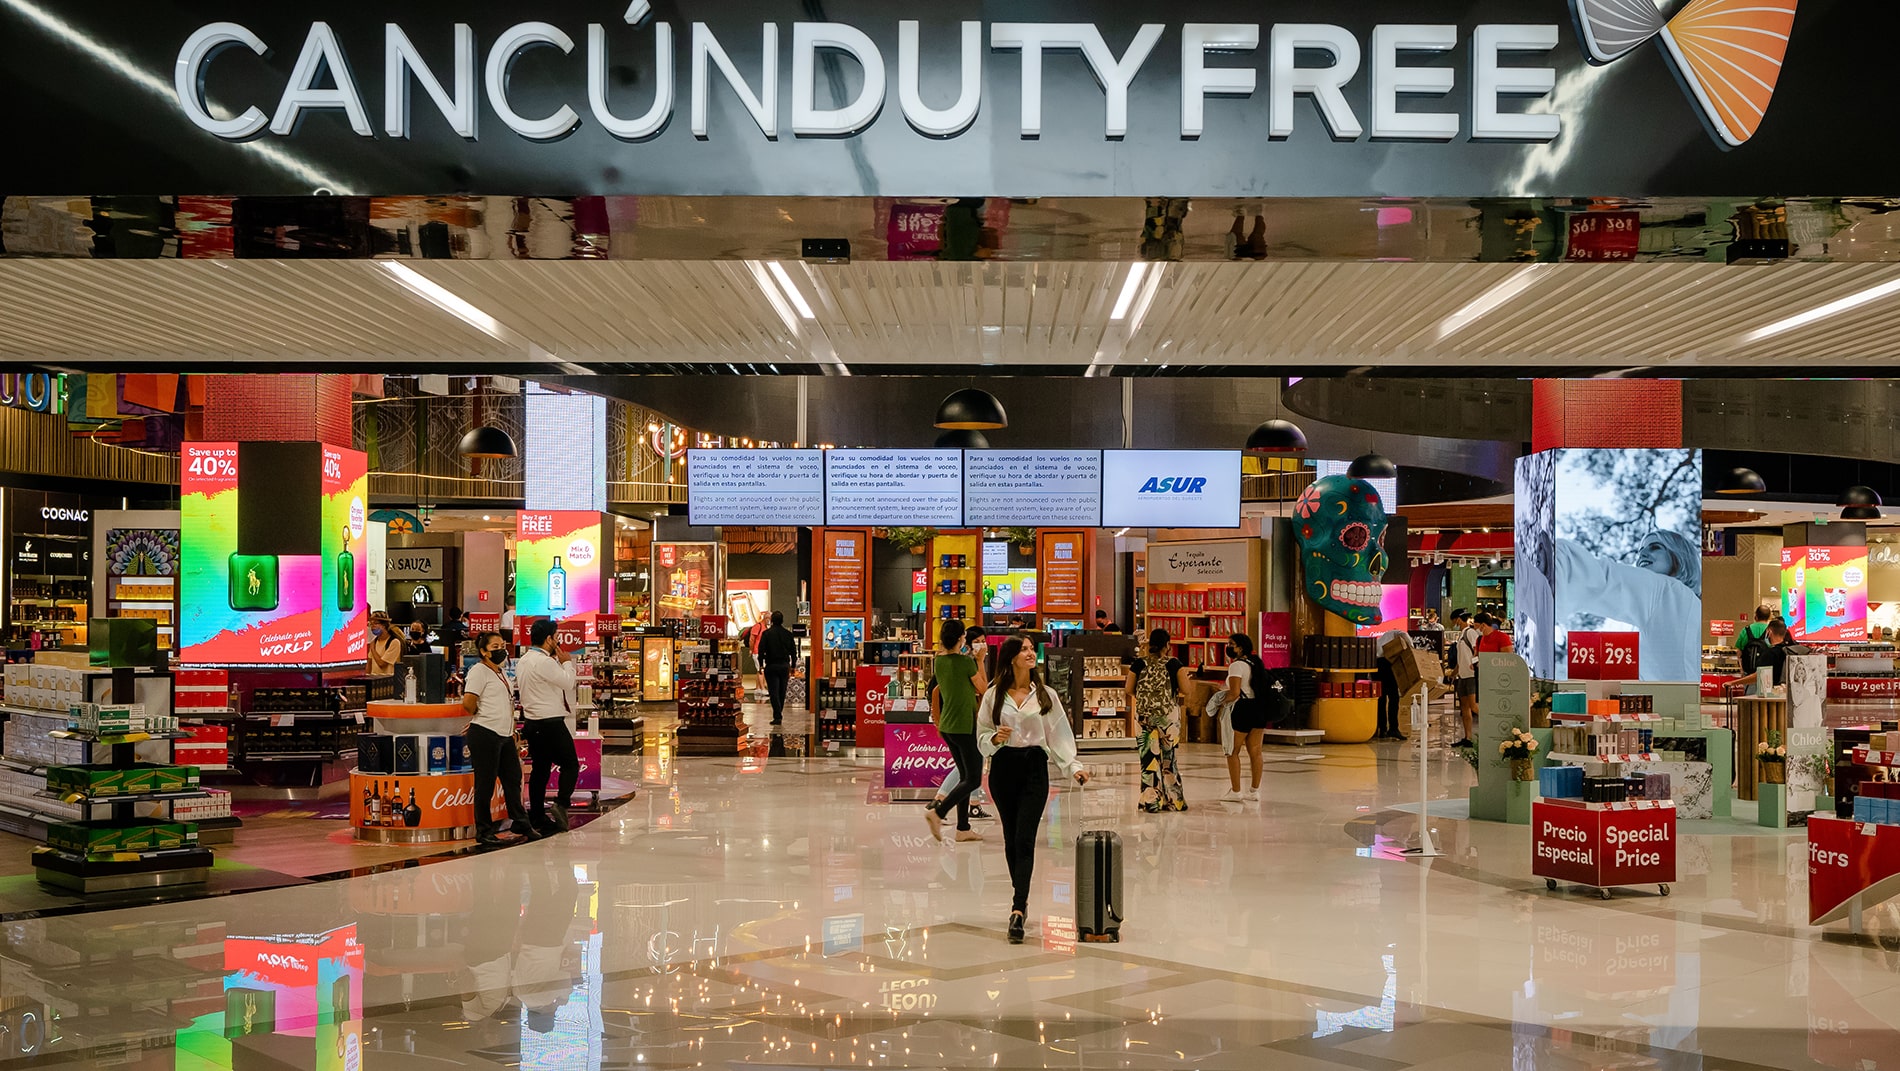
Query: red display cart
pixel 1603 845
pixel 1851 867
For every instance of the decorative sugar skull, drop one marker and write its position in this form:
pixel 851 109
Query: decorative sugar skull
pixel 1339 525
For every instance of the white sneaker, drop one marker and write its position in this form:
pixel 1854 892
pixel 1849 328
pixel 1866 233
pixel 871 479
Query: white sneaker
pixel 1231 796
pixel 1252 795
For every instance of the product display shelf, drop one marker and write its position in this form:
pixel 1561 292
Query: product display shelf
pixel 1097 705
pixel 710 717
pixel 956 561
pixel 114 871
pixel 151 597
pixel 1865 757
pixel 616 696
pixel 1563 758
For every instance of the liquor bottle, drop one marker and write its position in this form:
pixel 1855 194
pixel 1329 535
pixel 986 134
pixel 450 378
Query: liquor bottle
pixel 369 805
pixel 412 814
pixel 557 586
pixel 346 575
pixel 393 807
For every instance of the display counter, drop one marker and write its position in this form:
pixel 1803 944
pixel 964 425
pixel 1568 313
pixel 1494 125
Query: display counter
pixel 415 808
pixel 915 758
pixel 439 719
pixel 1851 867
pixel 1755 717
pixel 1601 845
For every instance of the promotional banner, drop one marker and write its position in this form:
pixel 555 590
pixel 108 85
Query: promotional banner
pixel 558 563
pixel 1824 571
pixel 345 554
pixel 242 601
pixel 1794 592
pixel 915 756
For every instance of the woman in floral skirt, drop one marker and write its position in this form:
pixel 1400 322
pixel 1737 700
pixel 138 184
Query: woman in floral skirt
pixel 1155 686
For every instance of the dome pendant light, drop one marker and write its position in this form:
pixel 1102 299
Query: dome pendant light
pixel 1862 503
pixel 487 441
pixel 1372 466
pixel 971 409
pixel 963 439
pixel 1741 482
pixel 1277 436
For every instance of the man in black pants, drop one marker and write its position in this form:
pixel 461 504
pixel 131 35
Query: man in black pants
pixel 490 699
pixel 778 650
pixel 545 678
pixel 1389 689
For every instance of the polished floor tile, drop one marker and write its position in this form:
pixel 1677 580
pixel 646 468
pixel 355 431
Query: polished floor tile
pixel 769 909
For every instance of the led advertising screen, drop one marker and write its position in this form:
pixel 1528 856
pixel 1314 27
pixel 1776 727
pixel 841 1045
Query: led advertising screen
pixel 1170 489
pixel 557 563
pixel 1012 592
pixel 252 570
pixel 915 488
pixel 566 463
pixel 755 487
pixel 345 554
pixel 1032 488
pixel 1824 582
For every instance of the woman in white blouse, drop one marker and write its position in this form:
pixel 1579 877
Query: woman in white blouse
pixel 1021 726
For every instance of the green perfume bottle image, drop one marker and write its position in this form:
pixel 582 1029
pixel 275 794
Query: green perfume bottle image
pixel 253 582
pixel 557 587
pixel 346 575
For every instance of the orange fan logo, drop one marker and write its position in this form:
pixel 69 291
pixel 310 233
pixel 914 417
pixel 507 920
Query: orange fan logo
pixel 1727 52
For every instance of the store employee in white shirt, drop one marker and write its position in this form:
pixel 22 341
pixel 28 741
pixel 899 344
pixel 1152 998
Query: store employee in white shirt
pixel 545 676
pixel 1020 724
pixel 490 700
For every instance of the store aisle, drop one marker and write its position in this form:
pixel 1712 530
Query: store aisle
pixel 767 909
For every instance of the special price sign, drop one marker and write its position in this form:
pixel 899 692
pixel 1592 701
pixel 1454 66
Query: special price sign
pixel 1848 859
pixel 874 684
pixel 1601 848
pixel 1603 656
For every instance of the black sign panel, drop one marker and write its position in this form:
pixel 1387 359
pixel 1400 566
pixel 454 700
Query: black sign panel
pixel 1064 98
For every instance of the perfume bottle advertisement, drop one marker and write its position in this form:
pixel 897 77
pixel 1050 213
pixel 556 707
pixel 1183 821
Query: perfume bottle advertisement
pixel 1836 595
pixel 345 554
pixel 558 565
pixel 238 605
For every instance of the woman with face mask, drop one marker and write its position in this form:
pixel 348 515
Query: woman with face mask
pixel 385 646
pixel 1245 680
pixel 489 699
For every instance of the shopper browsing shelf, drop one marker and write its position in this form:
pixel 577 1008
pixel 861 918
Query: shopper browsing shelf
pixel 959 682
pixel 1246 678
pixel 490 700
pixel 1022 727
pixel 778 649
pixel 1492 639
pixel 385 646
pixel 1154 685
pixel 545 677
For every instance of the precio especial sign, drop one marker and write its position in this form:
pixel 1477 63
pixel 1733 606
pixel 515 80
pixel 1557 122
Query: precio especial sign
pixel 862 97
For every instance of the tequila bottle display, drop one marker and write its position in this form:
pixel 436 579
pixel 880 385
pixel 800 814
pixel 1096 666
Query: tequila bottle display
pixel 369 805
pixel 557 586
pixel 412 814
pixel 392 808
pixel 346 575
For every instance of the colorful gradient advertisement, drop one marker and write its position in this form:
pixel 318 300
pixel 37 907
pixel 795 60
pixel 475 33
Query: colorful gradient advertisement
pixel 1794 598
pixel 558 564
pixel 241 605
pixel 294 1000
pixel 345 554
pixel 1836 595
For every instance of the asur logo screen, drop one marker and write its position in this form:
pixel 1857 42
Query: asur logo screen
pixel 1171 488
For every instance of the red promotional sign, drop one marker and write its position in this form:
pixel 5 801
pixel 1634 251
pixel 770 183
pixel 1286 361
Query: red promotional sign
pixel 845 553
pixel 607 624
pixel 712 626
pixel 1603 236
pixel 1603 656
pixel 1848 859
pixel 1601 848
pixel 874 683
pixel 1061 560
pixel 1721 628
pixel 1586 656
pixel 571 634
pixel 1863 687
pixel 479 623
pixel 1276 640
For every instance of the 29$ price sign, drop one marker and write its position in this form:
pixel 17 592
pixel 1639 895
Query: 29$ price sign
pixel 1603 656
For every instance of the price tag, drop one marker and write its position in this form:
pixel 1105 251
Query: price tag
pixel 1620 655
pixel 283 719
pixel 712 626
pixel 1586 656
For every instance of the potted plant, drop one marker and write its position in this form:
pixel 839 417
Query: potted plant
pixel 1822 766
pixel 1772 757
pixel 1519 747
pixel 909 540
pixel 1024 538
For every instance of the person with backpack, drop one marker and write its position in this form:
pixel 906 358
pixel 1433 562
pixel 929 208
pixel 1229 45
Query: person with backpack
pixel 1246 676
pixel 1155 685
pixel 1465 671
pixel 1751 642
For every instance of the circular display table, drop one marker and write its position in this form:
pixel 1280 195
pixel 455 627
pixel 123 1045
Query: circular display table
pixel 415 808
pixel 439 719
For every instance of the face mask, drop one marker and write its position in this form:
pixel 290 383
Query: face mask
pixel 498 656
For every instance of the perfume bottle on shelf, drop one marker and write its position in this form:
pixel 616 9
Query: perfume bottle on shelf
pixel 252 582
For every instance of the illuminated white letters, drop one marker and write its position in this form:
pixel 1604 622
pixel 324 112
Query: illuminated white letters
pixel 763 105
pixel 1491 81
pixel 320 50
pixel 956 118
pixel 656 116
pixel 400 58
pixel 501 57
pixel 807 118
pixel 1287 78
pixel 1198 80
pixel 188 79
pixel 1389 80
pixel 1114 75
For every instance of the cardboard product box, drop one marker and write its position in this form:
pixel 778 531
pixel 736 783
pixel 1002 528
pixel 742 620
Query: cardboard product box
pixel 138 779
pixel 138 835
pixel 1395 648
pixel 409 755
pixel 460 761
pixel 436 754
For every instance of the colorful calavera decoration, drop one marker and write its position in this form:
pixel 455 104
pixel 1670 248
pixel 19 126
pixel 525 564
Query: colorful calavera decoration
pixel 1339 525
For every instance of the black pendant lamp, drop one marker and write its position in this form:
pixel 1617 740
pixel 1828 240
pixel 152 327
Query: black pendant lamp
pixel 1372 466
pixel 487 441
pixel 963 439
pixel 1277 436
pixel 1741 482
pixel 971 409
pixel 1862 503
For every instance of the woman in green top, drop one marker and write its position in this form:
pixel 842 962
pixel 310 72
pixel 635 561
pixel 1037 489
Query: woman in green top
pixel 959 680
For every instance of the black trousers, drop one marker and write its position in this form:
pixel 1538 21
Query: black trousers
pixel 550 745
pixel 495 758
pixel 1019 787
pixel 969 776
pixel 777 678
pixel 1388 700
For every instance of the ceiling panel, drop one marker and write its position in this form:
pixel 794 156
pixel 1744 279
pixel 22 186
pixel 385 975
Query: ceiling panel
pixel 1685 316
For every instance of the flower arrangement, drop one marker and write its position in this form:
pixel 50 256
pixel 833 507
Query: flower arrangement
pixel 1518 745
pixel 1774 751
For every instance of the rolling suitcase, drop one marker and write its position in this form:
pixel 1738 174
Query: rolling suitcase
pixel 1098 885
